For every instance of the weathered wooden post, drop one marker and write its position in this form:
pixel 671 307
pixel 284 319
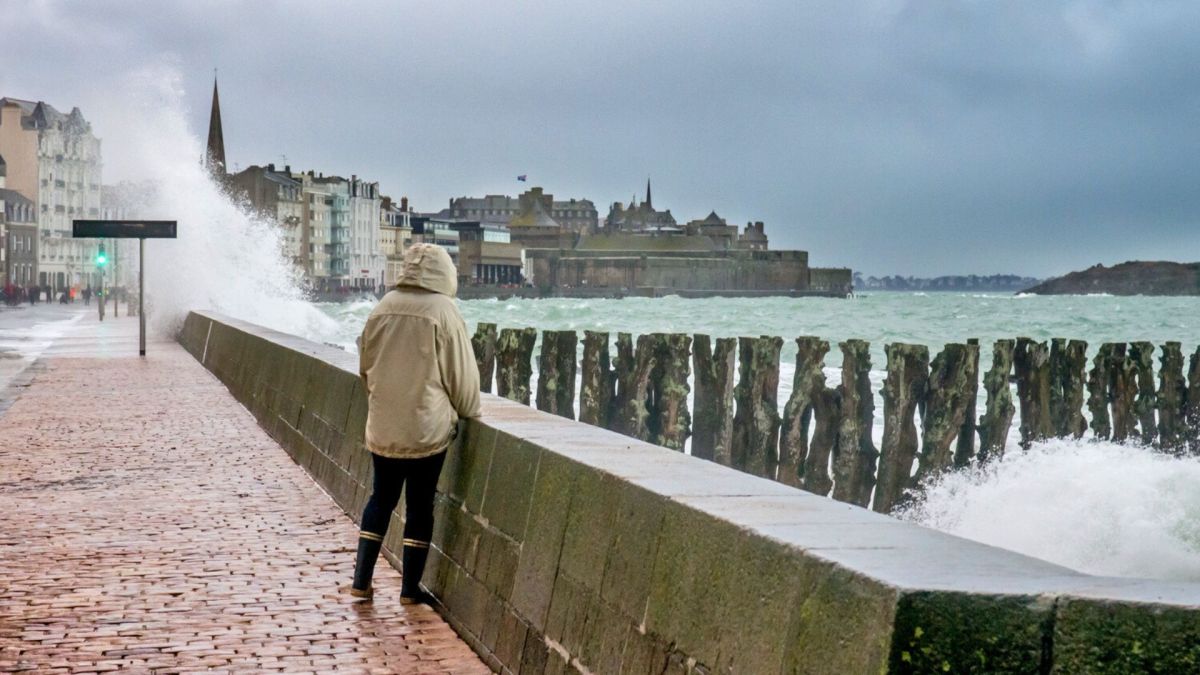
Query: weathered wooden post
pixel 946 405
pixel 1191 409
pixel 1172 399
pixel 1141 356
pixel 670 420
pixel 596 380
pixel 854 454
pixel 1098 385
pixel 999 409
pixel 712 435
pixel 827 421
pixel 623 369
pixel 964 451
pixel 905 387
pixel 483 343
pixel 514 363
pixel 1031 362
pixel 793 434
pixel 633 417
pixel 1068 366
pixel 1122 392
pixel 556 373
pixel 756 422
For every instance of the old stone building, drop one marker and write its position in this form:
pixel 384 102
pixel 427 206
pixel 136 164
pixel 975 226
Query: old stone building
pixel 575 215
pixel 53 159
pixel 724 235
pixel 18 235
pixel 639 217
pixel 395 235
pixel 277 197
pixel 754 237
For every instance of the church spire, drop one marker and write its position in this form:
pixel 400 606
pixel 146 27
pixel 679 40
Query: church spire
pixel 215 156
pixel 649 204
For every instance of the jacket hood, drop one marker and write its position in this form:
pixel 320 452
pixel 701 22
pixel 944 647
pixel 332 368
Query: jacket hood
pixel 429 266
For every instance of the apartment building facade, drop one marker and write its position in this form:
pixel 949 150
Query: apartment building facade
pixel 54 160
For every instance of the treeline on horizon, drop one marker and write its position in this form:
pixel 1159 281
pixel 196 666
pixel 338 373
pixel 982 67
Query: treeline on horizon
pixel 972 282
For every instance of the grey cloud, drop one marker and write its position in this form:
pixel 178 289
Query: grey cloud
pixel 913 137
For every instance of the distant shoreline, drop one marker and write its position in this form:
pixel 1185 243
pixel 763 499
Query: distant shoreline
pixel 1150 278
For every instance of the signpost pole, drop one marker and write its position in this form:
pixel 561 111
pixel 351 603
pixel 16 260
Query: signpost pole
pixel 141 295
pixel 103 298
pixel 127 229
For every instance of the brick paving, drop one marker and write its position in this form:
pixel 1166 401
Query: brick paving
pixel 148 525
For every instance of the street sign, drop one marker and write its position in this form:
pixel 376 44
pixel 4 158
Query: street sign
pixel 126 229
pixel 123 229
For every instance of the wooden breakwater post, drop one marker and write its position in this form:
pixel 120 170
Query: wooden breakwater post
pixel 854 453
pixel 1099 384
pixel 797 413
pixel 712 428
pixel 1191 407
pixel 1122 393
pixel 1141 356
pixel 1031 363
pixel 964 450
pixel 904 389
pixel 999 409
pixel 556 373
pixel 670 421
pixel 756 422
pixel 952 379
pixel 596 380
pixel 634 368
pixel 483 343
pixel 1068 375
pixel 827 421
pixel 1172 399
pixel 514 363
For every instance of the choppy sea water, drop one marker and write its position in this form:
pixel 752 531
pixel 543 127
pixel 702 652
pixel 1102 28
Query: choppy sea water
pixel 1097 507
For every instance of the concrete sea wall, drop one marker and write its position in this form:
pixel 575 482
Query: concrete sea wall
pixel 563 547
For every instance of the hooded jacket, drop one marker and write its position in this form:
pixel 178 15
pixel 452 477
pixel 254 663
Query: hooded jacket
pixel 416 360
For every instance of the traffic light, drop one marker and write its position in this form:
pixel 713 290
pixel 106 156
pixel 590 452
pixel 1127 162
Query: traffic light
pixel 101 257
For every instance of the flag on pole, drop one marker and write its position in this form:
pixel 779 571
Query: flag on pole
pixel 521 178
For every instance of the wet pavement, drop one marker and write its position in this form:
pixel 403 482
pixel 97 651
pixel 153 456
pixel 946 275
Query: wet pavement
pixel 147 524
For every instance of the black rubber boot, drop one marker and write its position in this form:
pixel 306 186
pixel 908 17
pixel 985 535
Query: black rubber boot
pixel 413 559
pixel 364 567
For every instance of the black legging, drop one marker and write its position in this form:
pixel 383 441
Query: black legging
pixel 391 474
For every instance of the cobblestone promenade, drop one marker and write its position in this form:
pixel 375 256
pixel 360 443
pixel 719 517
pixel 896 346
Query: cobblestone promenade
pixel 148 525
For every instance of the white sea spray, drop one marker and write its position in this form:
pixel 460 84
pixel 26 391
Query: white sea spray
pixel 1100 508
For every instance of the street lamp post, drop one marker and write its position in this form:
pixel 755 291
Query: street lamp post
pixel 101 262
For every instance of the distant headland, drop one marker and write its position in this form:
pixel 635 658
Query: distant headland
pixel 1128 278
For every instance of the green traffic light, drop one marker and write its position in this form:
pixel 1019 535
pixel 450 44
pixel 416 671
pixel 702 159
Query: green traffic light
pixel 101 258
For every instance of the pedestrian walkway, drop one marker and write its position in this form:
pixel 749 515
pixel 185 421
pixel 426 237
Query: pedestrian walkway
pixel 147 524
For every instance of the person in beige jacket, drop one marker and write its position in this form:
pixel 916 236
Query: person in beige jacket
pixel 416 361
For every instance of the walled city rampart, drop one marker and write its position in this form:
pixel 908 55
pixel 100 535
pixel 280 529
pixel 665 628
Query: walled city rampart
pixel 565 547
pixel 711 272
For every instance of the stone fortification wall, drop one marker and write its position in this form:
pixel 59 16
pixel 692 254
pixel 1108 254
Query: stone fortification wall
pixel 714 271
pixel 838 280
pixel 562 547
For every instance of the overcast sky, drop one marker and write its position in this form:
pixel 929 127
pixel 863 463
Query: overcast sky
pixel 925 137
